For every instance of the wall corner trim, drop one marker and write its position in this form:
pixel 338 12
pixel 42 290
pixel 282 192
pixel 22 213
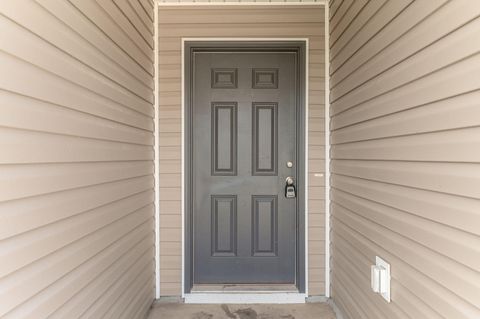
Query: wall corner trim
pixel 338 312
pixel 327 153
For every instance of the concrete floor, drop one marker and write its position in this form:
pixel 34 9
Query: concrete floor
pixel 283 311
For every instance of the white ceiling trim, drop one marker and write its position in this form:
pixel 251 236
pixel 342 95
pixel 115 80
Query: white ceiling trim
pixel 243 3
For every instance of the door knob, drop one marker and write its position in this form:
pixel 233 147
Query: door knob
pixel 290 191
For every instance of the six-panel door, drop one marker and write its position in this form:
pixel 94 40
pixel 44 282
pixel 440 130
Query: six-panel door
pixel 244 133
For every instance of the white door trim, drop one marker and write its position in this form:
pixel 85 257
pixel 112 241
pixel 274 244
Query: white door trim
pixel 244 297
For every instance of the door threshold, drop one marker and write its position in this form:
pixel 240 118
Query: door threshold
pixel 244 294
pixel 244 288
pixel 245 298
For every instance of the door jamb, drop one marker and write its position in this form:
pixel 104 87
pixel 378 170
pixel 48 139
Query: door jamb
pixel 300 44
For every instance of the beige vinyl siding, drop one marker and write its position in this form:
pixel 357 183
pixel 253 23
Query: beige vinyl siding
pixel 405 91
pixel 76 159
pixel 238 21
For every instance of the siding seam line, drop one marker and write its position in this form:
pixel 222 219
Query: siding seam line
pixel 113 41
pixel 133 24
pixel 73 109
pixel 105 271
pixel 62 78
pixel 418 78
pixel 351 21
pixel 384 71
pixel 66 53
pixel 384 48
pixel 407 186
pixel 406 109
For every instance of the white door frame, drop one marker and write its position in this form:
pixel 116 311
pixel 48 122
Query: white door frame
pixel 245 297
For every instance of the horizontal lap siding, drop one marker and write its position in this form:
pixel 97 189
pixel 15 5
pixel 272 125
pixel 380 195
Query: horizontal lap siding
pixel 238 21
pixel 405 91
pixel 76 166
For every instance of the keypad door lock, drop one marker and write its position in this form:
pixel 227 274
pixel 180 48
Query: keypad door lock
pixel 290 190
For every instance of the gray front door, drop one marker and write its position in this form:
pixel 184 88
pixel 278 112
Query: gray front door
pixel 243 137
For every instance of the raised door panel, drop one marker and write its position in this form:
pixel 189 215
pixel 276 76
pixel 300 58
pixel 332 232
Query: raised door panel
pixel 224 225
pixel 224 138
pixel 265 225
pixel 264 138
